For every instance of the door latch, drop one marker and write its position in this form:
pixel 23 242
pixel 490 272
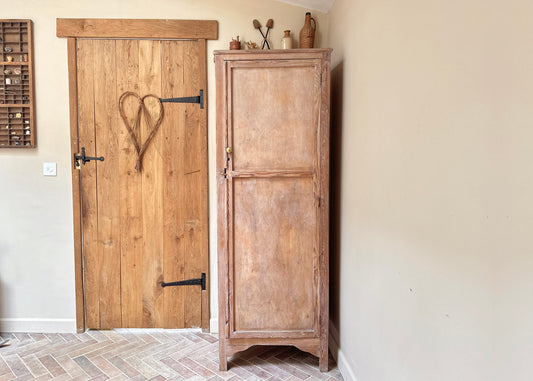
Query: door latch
pixel 84 159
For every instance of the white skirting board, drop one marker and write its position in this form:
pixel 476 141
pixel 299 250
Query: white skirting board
pixel 339 356
pixel 213 325
pixel 38 325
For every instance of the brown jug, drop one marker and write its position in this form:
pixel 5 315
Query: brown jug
pixel 307 34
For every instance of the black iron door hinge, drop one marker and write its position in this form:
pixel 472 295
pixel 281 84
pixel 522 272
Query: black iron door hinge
pixel 188 282
pixel 197 99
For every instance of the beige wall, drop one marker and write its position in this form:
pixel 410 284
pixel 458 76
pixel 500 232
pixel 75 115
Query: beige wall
pixel 433 248
pixel 36 238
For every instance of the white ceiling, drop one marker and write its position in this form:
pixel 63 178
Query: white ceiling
pixel 317 5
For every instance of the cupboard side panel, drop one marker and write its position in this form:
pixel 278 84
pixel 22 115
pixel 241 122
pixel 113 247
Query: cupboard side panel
pixel 324 155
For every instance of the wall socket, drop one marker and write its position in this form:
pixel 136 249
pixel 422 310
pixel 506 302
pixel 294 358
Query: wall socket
pixel 50 169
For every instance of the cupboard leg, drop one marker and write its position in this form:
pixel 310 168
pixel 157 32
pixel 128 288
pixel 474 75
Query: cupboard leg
pixel 222 358
pixel 323 361
pixel 223 364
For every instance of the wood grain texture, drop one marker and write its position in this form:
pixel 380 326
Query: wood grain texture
pixel 87 138
pixel 204 181
pixel 108 189
pixel 130 181
pixel 150 83
pixel 254 54
pixel 173 131
pixel 324 154
pixel 222 196
pixel 268 134
pixel 272 173
pixel 150 226
pixel 274 228
pixel 191 181
pixel 310 345
pixel 76 187
pixel 137 28
pixel 273 199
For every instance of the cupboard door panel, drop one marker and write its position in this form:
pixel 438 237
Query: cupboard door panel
pixel 274 285
pixel 274 114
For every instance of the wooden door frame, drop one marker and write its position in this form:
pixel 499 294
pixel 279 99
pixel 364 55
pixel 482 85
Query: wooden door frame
pixel 72 29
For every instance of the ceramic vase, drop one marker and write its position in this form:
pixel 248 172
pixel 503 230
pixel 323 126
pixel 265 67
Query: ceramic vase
pixel 286 41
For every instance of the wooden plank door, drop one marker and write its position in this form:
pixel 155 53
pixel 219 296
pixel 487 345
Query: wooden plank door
pixel 272 198
pixel 143 228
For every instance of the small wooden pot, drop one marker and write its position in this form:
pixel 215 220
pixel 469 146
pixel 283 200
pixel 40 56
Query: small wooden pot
pixel 235 44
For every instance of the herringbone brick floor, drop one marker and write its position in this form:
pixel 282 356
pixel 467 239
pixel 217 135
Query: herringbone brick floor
pixel 148 355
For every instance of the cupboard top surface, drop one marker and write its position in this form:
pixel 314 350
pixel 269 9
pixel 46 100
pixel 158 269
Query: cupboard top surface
pixel 273 51
pixel 235 55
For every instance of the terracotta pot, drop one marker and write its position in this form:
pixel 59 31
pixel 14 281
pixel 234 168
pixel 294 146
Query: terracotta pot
pixel 235 44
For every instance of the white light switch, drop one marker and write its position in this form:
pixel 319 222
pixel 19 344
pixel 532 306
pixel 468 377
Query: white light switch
pixel 50 169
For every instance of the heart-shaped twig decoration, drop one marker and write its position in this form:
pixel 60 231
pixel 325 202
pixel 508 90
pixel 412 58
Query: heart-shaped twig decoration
pixel 141 109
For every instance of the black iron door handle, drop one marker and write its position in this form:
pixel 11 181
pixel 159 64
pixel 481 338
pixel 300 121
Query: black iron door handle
pixel 84 159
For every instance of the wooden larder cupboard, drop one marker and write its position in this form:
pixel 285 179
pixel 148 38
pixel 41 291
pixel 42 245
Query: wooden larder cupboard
pixel 273 180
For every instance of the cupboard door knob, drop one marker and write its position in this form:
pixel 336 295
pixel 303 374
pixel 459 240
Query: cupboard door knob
pixel 229 150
